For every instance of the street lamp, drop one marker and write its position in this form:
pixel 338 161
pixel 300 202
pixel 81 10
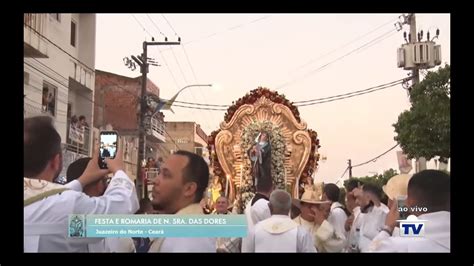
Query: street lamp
pixel 161 105
pixel 194 85
pixel 170 102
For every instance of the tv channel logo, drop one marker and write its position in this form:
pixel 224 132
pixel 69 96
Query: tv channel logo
pixel 412 227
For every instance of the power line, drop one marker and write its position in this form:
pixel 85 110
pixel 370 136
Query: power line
pixel 200 108
pixel 344 45
pixel 366 45
pixel 316 101
pixel 208 116
pixel 164 59
pixel 375 158
pixel 354 92
pixel 141 25
pixel 223 31
pixel 169 24
pixel 366 162
pixel 308 104
pixel 156 26
pixel 172 139
pixel 64 51
pixel 181 70
pixel 54 71
pixel 37 110
pixel 348 96
pixel 204 104
pixel 179 66
pixel 59 75
pixel 189 62
pixel 169 69
pixel 345 171
pixel 42 72
pixel 88 99
pixel 199 88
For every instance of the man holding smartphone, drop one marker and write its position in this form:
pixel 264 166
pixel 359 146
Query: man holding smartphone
pixel 47 205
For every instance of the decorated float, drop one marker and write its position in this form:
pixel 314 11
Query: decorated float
pixel 294 147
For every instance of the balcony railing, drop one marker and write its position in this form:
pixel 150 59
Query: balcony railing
pixel 33 37
pixel 157 130
pixel 151 174
pixel 78 139
pixel 82 74
pixel 35 21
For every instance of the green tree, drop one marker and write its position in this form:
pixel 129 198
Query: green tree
pixel 424 130
pixel 378 180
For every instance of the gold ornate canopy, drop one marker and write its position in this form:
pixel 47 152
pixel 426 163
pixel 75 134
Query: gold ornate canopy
pixel 296 137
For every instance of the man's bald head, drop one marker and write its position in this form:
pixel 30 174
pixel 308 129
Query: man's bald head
pixel 222 203
pixel 280 202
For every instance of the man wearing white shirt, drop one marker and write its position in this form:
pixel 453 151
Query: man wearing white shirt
pixel 279 233
pixel 97 189
pixel 428 189
pixel 374 212
pixel 313 217
pixel 257 209
pixel 47 205
pixel 353 221
pixel 337 216
pixel 178 189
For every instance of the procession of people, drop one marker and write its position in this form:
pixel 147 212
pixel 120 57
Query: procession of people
pixel 276 222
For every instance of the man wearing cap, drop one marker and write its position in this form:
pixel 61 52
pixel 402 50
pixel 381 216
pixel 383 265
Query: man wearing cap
pixel 313 217
pixel 428 189
pixel 279 233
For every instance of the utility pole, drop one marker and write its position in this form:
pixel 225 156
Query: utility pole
pixel 413 39
pixel 415 74
pixel 349 162
pixel 142 61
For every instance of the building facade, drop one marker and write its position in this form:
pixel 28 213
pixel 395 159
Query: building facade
pixel 187 136
pixel 117 106
pixel 59 74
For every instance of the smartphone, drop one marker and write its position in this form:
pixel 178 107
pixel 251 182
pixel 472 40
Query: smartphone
pixel 108 142
pixel 402 207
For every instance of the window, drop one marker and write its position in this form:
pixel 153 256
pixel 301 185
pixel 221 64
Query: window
pixel 49 98
pixel 73 33
pixel 56 16
pixel 69 110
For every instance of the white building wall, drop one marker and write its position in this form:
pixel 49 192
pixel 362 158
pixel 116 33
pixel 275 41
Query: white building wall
pixel 59 66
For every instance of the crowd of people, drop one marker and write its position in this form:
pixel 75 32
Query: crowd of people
pixel 316 222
